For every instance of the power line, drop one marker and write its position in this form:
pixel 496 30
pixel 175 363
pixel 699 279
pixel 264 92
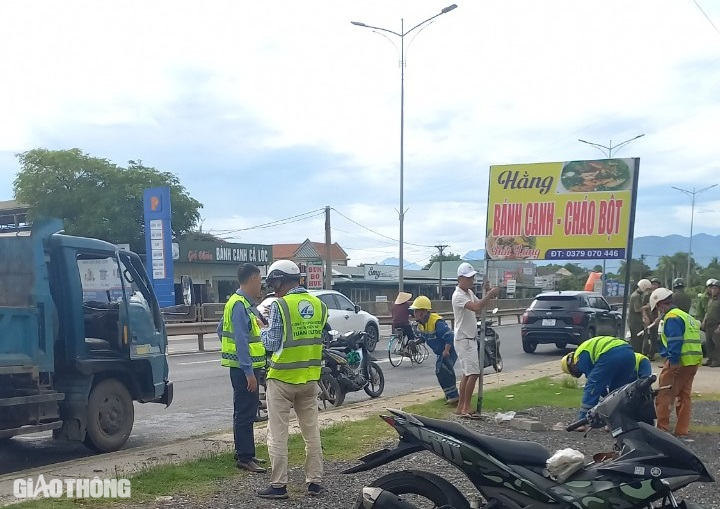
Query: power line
pixel 706 16
pixel 378 233
pixel 278 222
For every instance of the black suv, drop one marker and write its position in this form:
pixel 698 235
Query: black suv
pixel 566 318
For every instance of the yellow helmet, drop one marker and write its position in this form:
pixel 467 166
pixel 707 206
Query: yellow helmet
pixel 421 302
pixel 567 363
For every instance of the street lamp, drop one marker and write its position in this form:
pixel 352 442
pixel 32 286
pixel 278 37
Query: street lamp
pixel 691 194
pixel 608 152
pixel 401 35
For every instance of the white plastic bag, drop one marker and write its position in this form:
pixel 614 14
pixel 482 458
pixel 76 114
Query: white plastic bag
pixel 565 463
pixel 501 417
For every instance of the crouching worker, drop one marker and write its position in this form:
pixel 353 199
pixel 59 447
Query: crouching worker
pixel 643 367
pixel 440 338
pixel 607 362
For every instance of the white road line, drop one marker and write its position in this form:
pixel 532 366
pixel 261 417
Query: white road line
pixel 197 362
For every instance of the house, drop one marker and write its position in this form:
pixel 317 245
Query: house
pixel 309 252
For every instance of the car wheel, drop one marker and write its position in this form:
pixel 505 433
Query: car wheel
pixel 529 346
pixel 372 337
pixel 561 345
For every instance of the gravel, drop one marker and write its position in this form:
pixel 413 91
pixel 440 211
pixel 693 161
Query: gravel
pixel 343 489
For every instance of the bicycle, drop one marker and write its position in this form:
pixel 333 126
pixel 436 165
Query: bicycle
pixel 400 346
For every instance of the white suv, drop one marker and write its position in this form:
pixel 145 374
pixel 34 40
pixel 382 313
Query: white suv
pixel 343 315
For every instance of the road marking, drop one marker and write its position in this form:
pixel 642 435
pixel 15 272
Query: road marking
pixel 197 362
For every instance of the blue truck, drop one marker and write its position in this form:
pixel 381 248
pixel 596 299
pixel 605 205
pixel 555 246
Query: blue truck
pixel 81 337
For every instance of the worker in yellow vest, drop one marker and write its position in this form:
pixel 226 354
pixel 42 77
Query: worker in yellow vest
pixel 681 346
pixel 294 336
pixel 607 362
pixel 243 352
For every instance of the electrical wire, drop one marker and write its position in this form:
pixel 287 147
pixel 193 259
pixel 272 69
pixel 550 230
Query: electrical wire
pixel 706 16
pixel 377 233
pixel 278 222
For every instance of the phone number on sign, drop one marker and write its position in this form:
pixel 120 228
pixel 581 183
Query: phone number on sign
pixel 584 254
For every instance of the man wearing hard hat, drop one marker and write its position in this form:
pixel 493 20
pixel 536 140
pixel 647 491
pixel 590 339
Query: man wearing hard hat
pixel 439 337
pixel 681 347
pixel 635 314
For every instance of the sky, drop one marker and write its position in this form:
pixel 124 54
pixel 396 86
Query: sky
pixel 274 110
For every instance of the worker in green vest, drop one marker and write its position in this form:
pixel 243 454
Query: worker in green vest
pixel 297 320
pixel 243 352
pixel 607 362
pixel 681 346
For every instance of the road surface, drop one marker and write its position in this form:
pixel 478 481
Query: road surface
pixel 203 399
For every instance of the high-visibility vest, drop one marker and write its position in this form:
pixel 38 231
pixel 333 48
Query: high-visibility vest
pixel 429 326
pixel 228 356
pixel 597 346
pixel 299 360
pixel 691 352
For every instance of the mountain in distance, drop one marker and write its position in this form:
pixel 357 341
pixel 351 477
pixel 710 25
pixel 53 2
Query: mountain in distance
pixel 704 248
pixel 394 261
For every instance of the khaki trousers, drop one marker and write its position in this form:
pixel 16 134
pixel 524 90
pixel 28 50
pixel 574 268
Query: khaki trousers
pixel 281 397
pixel 681 378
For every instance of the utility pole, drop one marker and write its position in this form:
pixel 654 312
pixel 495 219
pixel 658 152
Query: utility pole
pixel 691 194
pixel 440 249
pixel 328 258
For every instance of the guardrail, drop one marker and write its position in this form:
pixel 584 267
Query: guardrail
pixel 450 317
pixel 191 329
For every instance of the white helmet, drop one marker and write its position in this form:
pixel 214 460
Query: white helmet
pixel 644 285
pixel 659 295
pixel 283 269
pixel 710 281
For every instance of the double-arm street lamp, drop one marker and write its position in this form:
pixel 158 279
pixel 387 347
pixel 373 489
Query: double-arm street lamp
pixel 608 151
pixel 691 194
pixel 402 35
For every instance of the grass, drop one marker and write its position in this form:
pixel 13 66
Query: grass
pixel 343 441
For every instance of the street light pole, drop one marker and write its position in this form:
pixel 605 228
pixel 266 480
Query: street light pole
pixel 401 35
pixel 608 151
pixel 691 194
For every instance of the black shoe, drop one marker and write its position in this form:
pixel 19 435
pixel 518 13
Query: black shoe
pixel 315 489
pixel 260 461
pixel 273 492
pixel 250 466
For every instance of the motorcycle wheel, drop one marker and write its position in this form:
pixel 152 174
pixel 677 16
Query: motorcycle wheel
pixel 498 366
pixel 330 391
pixel 376 381
pixel 420 488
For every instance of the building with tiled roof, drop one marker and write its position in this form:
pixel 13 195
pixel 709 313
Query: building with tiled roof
pixel 308 251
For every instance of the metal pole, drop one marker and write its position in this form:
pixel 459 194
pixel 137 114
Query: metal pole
pixel 401 283
pixel 481 346
pixel 692 218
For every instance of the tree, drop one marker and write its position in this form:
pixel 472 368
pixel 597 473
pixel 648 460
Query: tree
pixel 97 198
pixel 441 258
pixel 638 270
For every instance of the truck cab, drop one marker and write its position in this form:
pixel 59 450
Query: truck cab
pixel 81 337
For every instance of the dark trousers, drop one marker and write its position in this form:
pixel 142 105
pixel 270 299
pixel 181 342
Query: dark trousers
pixel 245 408
pixel 407 330
pixel 445 373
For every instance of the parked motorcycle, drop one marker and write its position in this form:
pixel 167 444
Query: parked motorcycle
pixel 647 466
pixel 348 367
pixel 491 343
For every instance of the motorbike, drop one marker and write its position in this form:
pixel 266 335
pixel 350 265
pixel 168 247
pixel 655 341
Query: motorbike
pixel 347 366
pixel 491 342
pixel 646 467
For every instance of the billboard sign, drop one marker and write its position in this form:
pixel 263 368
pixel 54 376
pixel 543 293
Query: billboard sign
pixel 314 277
pixel 158 243
pixel 576 210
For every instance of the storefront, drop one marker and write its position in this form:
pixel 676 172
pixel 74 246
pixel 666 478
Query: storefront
pixel 213 266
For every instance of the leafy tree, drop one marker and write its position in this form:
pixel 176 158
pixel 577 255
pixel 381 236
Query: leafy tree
pixel 97 198
pixel 597 268
pixel 638 270
pixel 441 258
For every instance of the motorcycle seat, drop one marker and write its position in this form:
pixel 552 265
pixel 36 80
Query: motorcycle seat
pixel 515 452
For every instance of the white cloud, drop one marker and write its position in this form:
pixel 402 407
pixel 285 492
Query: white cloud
pixel 233 95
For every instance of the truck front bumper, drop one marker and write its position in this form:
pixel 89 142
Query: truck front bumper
pixel 167 396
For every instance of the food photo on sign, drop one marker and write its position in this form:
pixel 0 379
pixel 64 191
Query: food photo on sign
pixel 576 210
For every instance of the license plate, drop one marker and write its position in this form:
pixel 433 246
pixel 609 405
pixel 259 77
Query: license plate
pixel 548 322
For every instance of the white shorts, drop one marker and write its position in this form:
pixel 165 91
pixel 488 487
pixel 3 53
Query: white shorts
pixel 467 351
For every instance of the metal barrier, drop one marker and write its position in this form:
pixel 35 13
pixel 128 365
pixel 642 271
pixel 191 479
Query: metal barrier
pixel 450 317
pixel 191 329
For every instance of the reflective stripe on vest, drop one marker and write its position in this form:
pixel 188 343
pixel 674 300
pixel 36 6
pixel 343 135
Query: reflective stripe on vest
pixel 691 351
pixel 299 360
pixel 598 346
pixel 228 356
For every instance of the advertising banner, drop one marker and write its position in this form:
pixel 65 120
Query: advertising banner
pixel 314 277
pixel 158 243
pixel 577 210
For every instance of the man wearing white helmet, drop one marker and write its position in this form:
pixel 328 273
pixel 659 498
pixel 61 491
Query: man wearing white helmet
pixel 681 347
pixel 635 314
pixel 703 299
pixel 297 320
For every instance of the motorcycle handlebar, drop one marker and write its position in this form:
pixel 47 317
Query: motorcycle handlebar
pixel 575 425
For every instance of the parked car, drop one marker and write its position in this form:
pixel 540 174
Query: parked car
pixel 343 315
pixel 563 318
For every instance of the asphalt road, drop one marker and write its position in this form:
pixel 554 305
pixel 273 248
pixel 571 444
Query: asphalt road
pixel 203 399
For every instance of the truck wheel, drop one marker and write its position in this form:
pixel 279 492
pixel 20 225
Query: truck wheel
pixel 110 416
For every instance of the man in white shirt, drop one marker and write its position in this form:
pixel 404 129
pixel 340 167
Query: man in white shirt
pixel 465 304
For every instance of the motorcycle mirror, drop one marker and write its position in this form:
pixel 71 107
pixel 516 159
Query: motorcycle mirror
pixel 494 311
pixel 334 333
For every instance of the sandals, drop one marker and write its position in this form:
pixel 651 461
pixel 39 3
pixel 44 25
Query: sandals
pixel 471 415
